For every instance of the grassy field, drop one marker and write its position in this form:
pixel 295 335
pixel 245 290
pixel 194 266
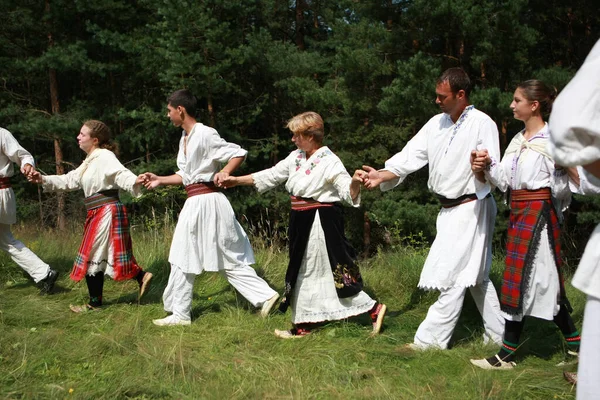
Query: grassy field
pixel 229 352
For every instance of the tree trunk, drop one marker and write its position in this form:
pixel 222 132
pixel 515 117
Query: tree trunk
pixel 300 7
pixel 55 108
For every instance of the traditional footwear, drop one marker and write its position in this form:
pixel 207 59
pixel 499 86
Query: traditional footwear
pixel 571 358
pixel 47 284
pixel 294 333
pixel 377 317
pixel 171 320
pixel 485 364
pixel 268 305
pixel 144 284
pixel 571 377
pixel 83 308
pixel 413 347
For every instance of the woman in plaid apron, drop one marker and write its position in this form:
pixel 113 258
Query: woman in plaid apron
pixel 106 246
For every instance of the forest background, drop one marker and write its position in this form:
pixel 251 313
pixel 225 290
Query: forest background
pixel 368 67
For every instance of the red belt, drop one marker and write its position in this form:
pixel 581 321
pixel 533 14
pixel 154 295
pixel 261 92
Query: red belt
pixel 531 195
pixel 5 183
pixel 302 204
pixel 196 189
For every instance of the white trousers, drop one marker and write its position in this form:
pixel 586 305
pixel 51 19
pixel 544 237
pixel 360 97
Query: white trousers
pixel 178 295
pixel 438 326
pixel 588 372
pixel 21 255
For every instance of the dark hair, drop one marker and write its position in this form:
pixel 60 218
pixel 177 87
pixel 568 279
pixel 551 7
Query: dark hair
pixel 99 130
pixel 185 99
pixel 457 78
pixel 535 90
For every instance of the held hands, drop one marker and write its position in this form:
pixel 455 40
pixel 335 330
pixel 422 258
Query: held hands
pixel 227 181
pixel 221 178
pixel 31 173
pixel 480 159
pixel 34 176
pixel 371 177
pixel 149 180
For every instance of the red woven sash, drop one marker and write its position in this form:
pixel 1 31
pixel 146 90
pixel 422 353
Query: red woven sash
pixel 302 204
pixel 531 195
pixel 196 189
pixel 5 183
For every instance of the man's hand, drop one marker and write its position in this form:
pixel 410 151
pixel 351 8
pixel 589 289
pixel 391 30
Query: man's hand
pixel 480 159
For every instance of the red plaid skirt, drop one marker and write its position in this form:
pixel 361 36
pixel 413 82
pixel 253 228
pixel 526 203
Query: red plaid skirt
pixel 527 220
pixel 123 262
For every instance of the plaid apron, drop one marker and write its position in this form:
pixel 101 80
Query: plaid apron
pixel 527 220
pixel 124 264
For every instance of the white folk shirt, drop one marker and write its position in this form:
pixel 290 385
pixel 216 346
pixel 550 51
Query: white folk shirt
pixel 460 255
pixel 322 177
pixel 208 151
pixel 522 167
pixel 446 146
pixel 101 170
pixel 575 140
pixel 10 152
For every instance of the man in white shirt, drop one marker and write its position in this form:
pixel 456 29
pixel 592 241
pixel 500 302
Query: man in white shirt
pixel 461 254
pixel 12 152
pixel 207 235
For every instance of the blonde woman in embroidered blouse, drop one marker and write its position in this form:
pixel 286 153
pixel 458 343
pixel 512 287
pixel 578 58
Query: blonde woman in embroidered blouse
pixel 317 181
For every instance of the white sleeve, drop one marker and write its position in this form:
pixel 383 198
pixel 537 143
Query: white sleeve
pixel 269 178
pixel 221 150
pixel 121 176
pixel 489 140
pixel 411 158
pixel 62 183
pixel 341 180
pixel 588 183
pixel 14 151
pixel 575 118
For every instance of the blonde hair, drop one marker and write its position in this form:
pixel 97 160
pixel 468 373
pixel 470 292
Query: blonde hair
pixel 308 124
pixel 99 130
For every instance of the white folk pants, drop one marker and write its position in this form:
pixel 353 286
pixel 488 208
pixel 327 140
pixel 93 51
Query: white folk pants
pixel 588 372
pixel 21 255
pixel 438 326
pixel 179 292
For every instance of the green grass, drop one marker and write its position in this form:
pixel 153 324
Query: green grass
pixel 229 352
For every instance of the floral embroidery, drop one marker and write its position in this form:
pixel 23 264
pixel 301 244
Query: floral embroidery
pixel 316 161
pixel 298 159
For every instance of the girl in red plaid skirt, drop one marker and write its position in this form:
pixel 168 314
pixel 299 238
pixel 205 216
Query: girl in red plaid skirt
pixel 538 191
pixel 106 246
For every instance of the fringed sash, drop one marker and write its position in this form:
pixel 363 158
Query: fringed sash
pixel 531 211
pixel 342 258
pixel 199 188
pixel 5 183
pixel 101 198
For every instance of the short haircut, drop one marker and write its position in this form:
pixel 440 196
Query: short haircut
pixel 457 78
pixel 185 99
pixel 308 124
